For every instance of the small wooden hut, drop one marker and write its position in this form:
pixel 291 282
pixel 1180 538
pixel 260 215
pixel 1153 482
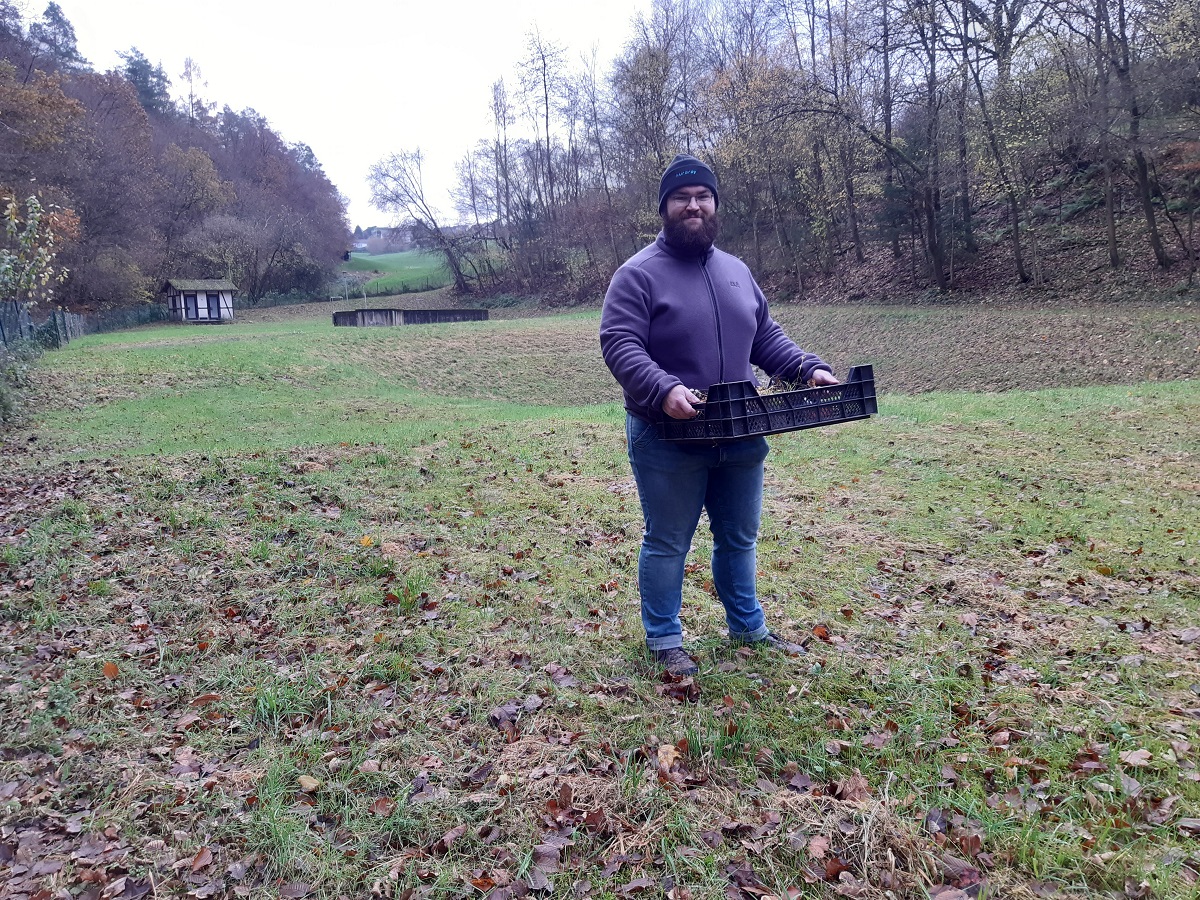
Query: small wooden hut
pixel 200 300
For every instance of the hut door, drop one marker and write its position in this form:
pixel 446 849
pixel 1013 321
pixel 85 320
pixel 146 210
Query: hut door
pixel 189 301
pixel 214 305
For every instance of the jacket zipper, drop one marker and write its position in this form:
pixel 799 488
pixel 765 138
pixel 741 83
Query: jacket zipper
pixel 712 296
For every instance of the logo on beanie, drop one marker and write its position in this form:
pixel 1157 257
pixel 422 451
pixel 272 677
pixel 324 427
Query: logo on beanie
pixel 686 172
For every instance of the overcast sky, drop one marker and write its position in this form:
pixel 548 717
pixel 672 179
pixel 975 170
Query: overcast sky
pixel 354 81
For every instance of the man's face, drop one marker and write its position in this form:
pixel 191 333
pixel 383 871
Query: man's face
pixel 690 218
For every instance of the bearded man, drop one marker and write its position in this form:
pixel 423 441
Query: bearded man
pixel 681 314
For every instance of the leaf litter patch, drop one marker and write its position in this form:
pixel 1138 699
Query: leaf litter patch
pixel 261 680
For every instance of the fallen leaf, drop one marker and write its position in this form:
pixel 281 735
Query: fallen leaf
pixel 818 847
pixel 854 789
pixel 186 721
pixel 111 671
pixel 308 784
pixel 383 806
pixel 835 866
pixel 1189 826
pixel 442 844
pixel 547 857
pixel 947 892
pixel 636 887
pixel 1140 757
pixel 202 859
pixel 537 880
pixel 667 755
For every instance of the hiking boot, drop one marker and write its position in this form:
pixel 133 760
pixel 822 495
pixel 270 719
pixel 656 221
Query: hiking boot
pixel 675 660
pixel 774 642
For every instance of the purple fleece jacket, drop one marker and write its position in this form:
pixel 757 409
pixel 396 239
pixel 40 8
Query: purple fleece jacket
pixel 671 318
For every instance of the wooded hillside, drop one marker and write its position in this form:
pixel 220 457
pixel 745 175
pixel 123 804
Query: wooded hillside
pixel 143 186
pixel 923 137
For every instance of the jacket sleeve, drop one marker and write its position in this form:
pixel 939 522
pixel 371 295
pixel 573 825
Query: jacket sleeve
pixel 625 336
pixel 777 354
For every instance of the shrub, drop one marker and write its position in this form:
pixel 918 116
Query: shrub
pixel 15 362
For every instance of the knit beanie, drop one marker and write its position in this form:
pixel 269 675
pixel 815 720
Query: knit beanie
pixel 685 171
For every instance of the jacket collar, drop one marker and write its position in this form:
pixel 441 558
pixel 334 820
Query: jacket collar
pixel 661 243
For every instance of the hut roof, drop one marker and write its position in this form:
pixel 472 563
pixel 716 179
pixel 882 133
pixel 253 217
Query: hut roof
pixel 200 284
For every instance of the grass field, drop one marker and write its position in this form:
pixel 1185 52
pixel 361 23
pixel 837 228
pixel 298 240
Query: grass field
pixel 400 273
pixel 295 611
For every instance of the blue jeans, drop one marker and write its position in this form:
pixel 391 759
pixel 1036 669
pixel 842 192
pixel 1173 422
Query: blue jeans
pixel 675 482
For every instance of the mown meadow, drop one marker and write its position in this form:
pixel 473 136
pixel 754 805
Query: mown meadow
pixel 296 611
pixel 402 272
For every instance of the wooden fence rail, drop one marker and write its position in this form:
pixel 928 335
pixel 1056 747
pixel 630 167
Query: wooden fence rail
pixel 367 317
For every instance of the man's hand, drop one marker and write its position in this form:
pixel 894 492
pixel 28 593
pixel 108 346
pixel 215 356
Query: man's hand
pixel 822 377
pixel 680 403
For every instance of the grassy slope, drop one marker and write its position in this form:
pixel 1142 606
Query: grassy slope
pixel 401 272
pixel 353 546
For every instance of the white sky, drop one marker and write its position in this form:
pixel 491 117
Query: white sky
pixel 354 81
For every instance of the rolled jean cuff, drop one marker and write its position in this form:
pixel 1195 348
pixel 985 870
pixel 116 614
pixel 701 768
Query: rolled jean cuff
pixel 667 642
pixel 749 637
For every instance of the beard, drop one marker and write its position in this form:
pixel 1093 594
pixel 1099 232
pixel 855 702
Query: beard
pixel 687 237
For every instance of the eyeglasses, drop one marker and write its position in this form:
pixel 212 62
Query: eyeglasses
pixel 685 200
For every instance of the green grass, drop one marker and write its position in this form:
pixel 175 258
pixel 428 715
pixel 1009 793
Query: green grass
pixel 410 270
pixel 332 553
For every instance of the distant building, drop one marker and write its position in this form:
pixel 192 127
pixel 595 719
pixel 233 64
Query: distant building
pixel 200 300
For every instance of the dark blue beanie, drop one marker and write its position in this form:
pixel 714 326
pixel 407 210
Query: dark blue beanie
pixel 685 171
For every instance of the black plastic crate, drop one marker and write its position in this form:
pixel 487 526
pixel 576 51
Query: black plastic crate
pixel 736 409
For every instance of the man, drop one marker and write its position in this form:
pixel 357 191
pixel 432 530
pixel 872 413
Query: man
pixel 678 315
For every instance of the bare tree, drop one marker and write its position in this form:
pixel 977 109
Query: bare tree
pixel 398 186
pixel 541 76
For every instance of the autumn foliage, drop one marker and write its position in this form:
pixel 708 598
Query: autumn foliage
pixel 156 189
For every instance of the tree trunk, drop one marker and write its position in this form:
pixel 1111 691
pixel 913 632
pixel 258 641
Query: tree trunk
pixel 1144 194
pixel 1191 245
pixel 1110 217
pixel 964 180
pixel 1014 215
pixel 852 218
pixel 889 175
pixel 937 252
pixel 1102 82
pixel 1124 67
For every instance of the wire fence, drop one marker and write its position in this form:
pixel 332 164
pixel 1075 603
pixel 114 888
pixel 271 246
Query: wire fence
pixel 60 327
pixel 17 326
pixel 120 319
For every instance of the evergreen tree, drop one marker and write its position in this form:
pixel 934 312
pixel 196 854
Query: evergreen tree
pixel 151 82
pixel 54 36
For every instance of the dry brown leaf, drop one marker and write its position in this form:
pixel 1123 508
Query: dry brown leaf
pixel 818 847
pixel 1140 757
pixel 383 806
pixel 854 789
pixel 202 859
